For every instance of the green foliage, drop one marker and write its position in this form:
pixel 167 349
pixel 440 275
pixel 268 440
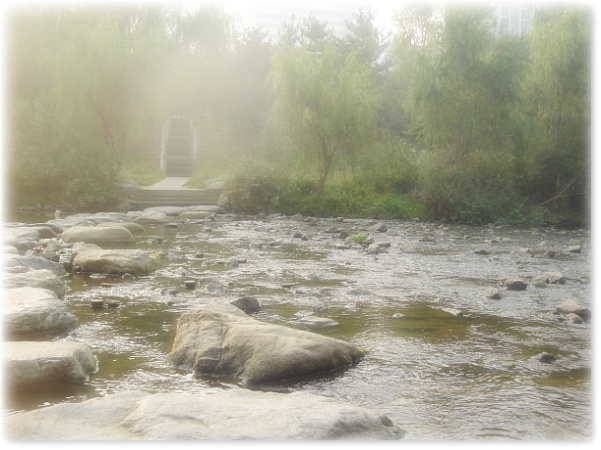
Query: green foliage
pixel 252 188
pixel 325 106
pixel 456 119
pixel 144 173
pixel 358 238
pixel 558 88
pixel 480 190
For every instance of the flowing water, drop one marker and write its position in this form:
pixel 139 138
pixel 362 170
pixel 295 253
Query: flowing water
pixel 435 374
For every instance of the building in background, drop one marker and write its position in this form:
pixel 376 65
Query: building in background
pixel 515 17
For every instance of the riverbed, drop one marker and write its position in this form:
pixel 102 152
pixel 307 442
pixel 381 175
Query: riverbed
pixel 445 361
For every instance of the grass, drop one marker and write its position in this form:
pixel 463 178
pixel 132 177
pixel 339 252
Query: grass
pixel 145 174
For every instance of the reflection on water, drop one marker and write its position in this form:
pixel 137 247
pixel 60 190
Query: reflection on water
pixel 444 361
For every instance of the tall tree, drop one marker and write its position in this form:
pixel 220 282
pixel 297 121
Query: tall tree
pixel 460 79
pixel 558 88
pixel 326 106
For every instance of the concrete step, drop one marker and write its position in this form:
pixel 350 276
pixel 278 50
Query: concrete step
pixel 181 197
pixel 179 171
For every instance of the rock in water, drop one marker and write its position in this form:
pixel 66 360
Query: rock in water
pixel 34 313
pixel 99 235
pixel 35 364
pixel 93 259
pixel 231 414
pixel 42 278
pixel 222 341
pixel 247 304
pixel 572 307
pixel 515 284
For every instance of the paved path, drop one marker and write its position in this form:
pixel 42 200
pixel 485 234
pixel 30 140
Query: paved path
pixel 170 183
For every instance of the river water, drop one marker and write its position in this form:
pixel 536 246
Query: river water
pixel 435 374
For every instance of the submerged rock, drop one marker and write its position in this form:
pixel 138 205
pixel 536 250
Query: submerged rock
pixel 314 321
pixel 231 414
pixel 35 364
pixel 222 341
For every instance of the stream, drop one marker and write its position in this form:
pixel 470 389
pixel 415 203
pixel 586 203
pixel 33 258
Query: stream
pixel 436 373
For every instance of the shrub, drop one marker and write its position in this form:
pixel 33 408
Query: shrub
pixel 253 187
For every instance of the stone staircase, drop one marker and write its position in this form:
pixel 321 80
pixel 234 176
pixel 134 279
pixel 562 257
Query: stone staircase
pixel 171 192
pixel 145 198
pixel 179 156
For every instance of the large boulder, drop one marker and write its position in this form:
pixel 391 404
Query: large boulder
pixel 42 278
pixel 222 341
pixel 232 414
pixel 35 363
pixel 34 312
pixel 33 262
pixel 22 238
pixel 93 259
pixel 111 235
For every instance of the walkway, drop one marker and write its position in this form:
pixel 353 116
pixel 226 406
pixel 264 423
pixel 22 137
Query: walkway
pixel 169 183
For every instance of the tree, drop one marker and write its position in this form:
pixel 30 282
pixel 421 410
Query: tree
pixel 558 89
pixel 365 39
pixel 326 106
pixel 460 79
pixel 310 33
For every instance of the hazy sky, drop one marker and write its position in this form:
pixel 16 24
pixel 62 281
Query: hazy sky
pixel 245 8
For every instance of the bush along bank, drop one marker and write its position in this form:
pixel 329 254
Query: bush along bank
pixel 458 200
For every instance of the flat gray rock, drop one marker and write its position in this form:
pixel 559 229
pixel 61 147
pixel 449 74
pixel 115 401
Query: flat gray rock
pixel 231 414
pixel 42 278
pixel 112 235
pixel 35 312
pixel 91 258
pixel 39 363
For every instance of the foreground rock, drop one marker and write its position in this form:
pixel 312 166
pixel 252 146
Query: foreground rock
pixel 35 312
pixel 42 278
pixel 222 341
pixel 111 235
pixel 226 415
pixel 93 259
pixel 35 364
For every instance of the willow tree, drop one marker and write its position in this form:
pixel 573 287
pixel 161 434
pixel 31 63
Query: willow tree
pixel 325 106
pixel 461 78
pixel 557 87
